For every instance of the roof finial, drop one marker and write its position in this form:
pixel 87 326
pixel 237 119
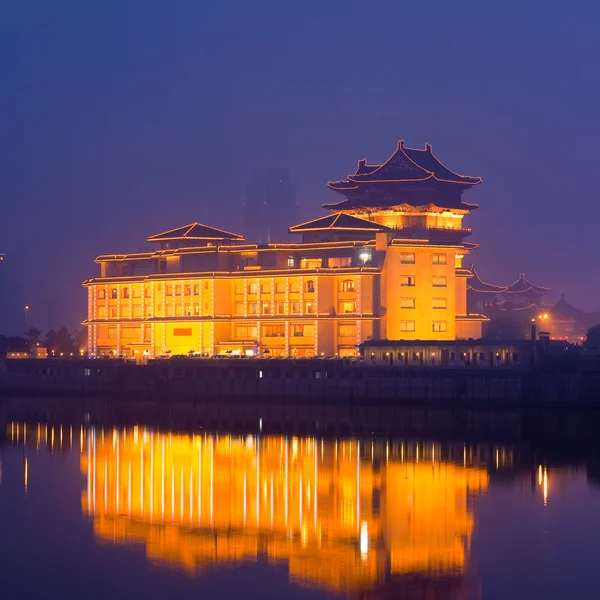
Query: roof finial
pixel 428 146
pixel 362 162
pixel 401 144
pixel 522 275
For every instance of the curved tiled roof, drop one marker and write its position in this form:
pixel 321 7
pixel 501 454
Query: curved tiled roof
pixel 522 285
pixel 194 231
pixel 338 221
pixel 476 284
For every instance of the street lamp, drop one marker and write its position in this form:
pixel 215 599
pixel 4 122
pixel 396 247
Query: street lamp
pixel 25 309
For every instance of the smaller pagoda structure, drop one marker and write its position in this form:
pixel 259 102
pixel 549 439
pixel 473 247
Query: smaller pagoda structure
pixel 523 294
pixel 482 296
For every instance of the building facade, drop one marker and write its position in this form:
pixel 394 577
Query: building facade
pixel 385 264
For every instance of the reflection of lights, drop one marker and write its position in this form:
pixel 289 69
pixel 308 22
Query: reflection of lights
pixel 545 486
pixel 540 475
pixel 364 540
pixel 26 475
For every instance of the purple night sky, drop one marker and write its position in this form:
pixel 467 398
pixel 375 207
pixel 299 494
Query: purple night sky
pixel 124 118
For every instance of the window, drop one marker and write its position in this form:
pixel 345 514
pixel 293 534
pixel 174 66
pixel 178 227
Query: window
pixel 310 307
pixel 280 307
pixel 169 289
pixel 348 330
pixel 137 310
pixel 439 326
pixel 311 263
pixel 303 330
pixel 101 294
pixel 102 312
pixel 178 289
pixel 239 289
pixel 253 288
pixel 114 294
pixel 277 330
pixel 440 259
pixel 295 307
pixel 170 312
pixel 439 303
pixel 137 292
pixel 440 281
pixel 339 262
pixel 187 290
pixel 294 287
pixel 252 308
pixel 125 312
pixel 196 309
pixel 347 285
pixel 407 280
pixel 280 287
pixel 347 306
pixel 247 332
pixel 239 308
pixel 407 325
pixel 407 302
pixel 407 258
pixel 125 292
pixel 196 289
pixel 178 310
pixel 310 286
pixel 148 310
pixel 266 308
pixel 266 287
pixel 113 312
pixel 291 261
pixel 206 285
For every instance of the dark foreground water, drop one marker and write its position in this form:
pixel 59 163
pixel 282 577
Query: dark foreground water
pixel 96 513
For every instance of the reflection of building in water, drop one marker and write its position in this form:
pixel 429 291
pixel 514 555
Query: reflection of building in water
pixel 345 516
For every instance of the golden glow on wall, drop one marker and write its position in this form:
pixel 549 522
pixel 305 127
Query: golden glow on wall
pixel 343 515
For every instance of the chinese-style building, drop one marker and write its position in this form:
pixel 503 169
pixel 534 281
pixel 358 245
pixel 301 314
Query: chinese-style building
pixel 386 263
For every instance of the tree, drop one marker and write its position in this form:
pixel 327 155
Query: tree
pixel 33 335
pixel 60 342
pixel 593 338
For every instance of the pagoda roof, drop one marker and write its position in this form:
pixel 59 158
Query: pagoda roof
pixel 522 285
pixel 565 309
pixel 476 284
pixel 194 231
pixel 405 165
pixel 338 221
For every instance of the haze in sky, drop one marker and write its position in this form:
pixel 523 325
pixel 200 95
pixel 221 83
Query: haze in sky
pixel 120 119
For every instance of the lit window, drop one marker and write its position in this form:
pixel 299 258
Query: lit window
pixel 309 307
pixel 280 287
pixel 365 256
pixel 137 292
pixel 407 258
pixel 339 262
pixel 125 292
pixel 407 325
pixel 310 286
pixel 125 314
pixel 239 308
pixel 295 307
pixel 280 307
pixel 347 285
pixel 439 303
pixel 102 312
pixel 407 302
pixel 170 311
pixel 137 310
pixel 266 308
pixel 277 330
pixel 440 259
pixel 348 330
pixel 113 312
pixel 439 326
pixel 169 289
pixel 265 287
pixel 291 261
pixel 311 263
pixel 347 307
pixel 440 281
pixel 253 288
pixel 294 287
pixel 407 280
pixel 101 294
pixel 252 308
pixel 114 294
pixel 239 289
pixel 187 290
pixel 196 289
pixel 178 289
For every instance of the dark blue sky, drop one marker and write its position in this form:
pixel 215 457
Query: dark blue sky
pixel 120 119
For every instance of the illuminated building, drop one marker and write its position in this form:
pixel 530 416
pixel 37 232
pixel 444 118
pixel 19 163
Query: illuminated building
pixel 385 264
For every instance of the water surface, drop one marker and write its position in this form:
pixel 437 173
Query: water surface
pixel 91 512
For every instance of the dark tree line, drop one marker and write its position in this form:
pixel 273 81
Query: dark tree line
pixel 57 341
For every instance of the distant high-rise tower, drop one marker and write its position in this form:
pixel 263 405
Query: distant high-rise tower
pixel 270 207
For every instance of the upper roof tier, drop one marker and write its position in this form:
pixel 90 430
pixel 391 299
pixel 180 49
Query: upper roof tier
pixel 521 286
pixel 476 284
pixel 195 232
pixel 408 171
